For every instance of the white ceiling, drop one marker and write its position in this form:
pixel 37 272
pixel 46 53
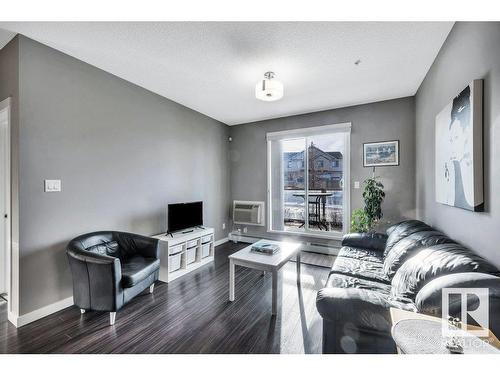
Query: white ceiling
pixel 5 37
pixel 212 67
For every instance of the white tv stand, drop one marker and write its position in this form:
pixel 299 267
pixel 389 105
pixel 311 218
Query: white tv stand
pixel 184 251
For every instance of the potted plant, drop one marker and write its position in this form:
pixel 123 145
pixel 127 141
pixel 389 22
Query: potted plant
pixel 364 220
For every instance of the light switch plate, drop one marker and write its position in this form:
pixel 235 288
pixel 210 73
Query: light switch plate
pixel 356 184
pixel 52 186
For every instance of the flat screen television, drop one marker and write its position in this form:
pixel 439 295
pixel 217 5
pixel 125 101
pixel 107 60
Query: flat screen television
pixel 184 215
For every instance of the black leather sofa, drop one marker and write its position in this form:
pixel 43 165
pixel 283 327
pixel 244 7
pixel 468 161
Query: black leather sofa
pixel 406 268
pixel 111 268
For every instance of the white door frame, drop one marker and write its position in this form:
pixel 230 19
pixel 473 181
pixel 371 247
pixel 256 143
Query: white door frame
pixel 6 105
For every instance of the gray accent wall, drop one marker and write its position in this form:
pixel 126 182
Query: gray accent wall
pixel 122 154
pixel 386 120
pixel 471 51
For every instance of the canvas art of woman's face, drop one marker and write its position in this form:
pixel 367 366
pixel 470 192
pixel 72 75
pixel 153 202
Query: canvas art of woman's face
pixel 459 134
pixel 455 148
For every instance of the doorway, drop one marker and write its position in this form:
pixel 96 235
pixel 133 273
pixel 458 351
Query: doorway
pixel 5 248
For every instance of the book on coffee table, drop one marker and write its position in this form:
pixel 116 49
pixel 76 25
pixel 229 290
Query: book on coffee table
pixel 265 248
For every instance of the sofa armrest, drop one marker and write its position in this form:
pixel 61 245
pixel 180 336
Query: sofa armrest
pixel 131 243
pixel 96 280
pixel 371 241
pixel 429 298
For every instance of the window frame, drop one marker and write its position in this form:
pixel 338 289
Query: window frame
pixel 304 133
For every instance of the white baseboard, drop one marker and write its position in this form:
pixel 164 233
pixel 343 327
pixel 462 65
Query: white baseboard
pixel 235 237
pixel 41 312
pixel 221 241
pixel 321 249
pixel 11 317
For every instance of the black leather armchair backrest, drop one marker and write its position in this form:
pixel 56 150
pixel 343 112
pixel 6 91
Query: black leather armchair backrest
pixel 120 245
pixel 131 244
pixel 103 243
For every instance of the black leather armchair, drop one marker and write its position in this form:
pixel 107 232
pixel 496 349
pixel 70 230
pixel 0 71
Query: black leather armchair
pixel 111 268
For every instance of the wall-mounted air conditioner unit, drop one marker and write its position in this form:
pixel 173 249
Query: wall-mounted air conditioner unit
pixel 248 212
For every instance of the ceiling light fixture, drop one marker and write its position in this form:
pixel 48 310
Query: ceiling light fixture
pixel 269 89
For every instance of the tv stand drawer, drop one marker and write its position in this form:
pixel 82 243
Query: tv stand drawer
pixel 191 244
pixel 175 249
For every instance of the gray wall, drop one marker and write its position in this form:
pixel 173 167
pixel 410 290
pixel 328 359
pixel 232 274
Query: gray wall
pixel 387 120
pixel 472 51
pixel 122 154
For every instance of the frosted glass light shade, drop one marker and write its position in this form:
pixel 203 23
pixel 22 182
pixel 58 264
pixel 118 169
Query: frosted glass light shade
pixel 269 90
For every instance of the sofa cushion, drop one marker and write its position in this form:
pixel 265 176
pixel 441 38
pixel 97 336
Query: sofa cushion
pixel 137 268
pixel 372 241
pixel 336 280
pixel 360 308
pixel 364 254
pixel 429 263
pixel 365 309
pixel 405 247
pixel 401 230
pixel 360 268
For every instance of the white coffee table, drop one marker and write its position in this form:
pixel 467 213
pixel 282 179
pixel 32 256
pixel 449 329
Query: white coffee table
pixel 265 263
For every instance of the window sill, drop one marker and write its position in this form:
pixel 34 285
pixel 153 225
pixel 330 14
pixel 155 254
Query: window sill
pixel 331 236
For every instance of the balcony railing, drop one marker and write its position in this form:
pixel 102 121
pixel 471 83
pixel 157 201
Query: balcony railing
pixel 330 219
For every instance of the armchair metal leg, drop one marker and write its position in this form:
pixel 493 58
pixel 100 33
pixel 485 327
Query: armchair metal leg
pixel 112 317
pixel 82 311
pixel 151 288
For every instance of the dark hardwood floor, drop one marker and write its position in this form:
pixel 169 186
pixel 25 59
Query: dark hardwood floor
pixel 190 315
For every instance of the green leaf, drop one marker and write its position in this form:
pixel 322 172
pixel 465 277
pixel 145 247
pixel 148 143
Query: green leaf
pixel 363 220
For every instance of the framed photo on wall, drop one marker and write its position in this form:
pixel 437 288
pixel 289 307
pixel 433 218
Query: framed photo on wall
pixel 381 154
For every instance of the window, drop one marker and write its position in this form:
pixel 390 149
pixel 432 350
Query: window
pixel 312 200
